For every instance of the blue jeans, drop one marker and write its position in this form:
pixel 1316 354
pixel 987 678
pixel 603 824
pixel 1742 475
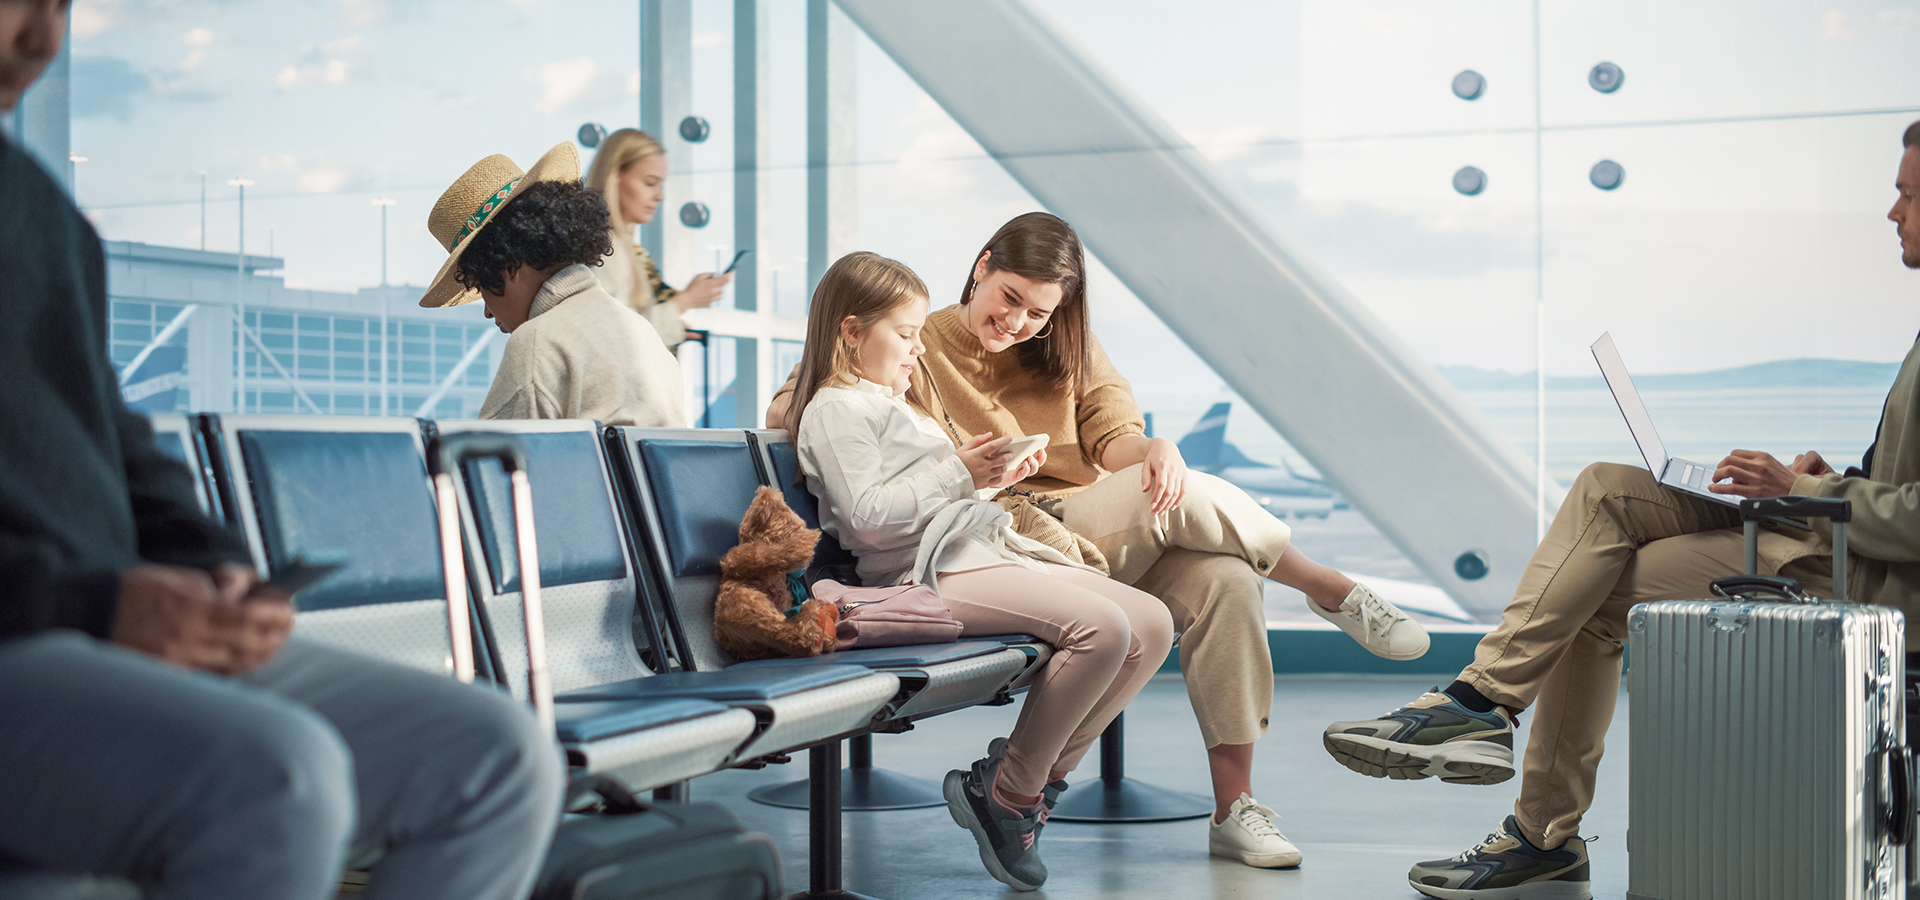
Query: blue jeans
pixel 196 786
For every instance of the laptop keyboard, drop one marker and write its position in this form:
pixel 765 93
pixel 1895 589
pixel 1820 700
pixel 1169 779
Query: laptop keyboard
pixel 1696 477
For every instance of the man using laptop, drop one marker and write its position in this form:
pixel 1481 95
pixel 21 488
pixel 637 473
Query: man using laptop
pixel 1622 538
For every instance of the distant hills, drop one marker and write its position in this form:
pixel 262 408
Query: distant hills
pixel 1779 373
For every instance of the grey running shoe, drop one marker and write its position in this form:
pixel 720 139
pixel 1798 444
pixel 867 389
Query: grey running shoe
pixel 1434 736
pixel 1507 866
pixel 1008 838
pixel 1049 795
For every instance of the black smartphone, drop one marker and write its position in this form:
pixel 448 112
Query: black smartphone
pixel 301 573
pixel 736 261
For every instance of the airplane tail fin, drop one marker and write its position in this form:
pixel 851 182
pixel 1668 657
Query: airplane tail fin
pixel 1202 446
pixel 150 388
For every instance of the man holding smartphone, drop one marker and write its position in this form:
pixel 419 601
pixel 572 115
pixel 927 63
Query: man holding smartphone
pixel 160 726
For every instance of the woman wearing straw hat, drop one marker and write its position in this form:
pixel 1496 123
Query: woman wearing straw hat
pixel 628 171
pixel 523 244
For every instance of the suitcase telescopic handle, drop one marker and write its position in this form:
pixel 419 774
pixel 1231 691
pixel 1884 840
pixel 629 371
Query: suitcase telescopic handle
pixel 1901 812
pixel 1760 587
pixel 1755 509
pixel 445 456
pixel 1840 512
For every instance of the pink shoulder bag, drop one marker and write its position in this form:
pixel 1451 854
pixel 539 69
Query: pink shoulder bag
pixel 888 616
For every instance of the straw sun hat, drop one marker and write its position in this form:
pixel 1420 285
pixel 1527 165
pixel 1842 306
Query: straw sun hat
pixel 469 205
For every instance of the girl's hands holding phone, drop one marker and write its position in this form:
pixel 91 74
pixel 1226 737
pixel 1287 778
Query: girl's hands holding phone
pixel 984 459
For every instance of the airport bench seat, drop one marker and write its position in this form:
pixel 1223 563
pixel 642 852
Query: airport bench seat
pixel 691 488
pixel 358 488
pixel 594 632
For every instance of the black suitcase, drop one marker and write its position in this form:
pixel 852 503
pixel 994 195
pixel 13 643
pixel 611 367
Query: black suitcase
pixel 628 849
pixel 619 848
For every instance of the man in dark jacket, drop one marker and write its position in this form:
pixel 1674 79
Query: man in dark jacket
pixel 156 724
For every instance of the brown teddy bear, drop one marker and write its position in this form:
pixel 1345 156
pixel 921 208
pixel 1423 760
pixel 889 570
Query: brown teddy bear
pixel 750 618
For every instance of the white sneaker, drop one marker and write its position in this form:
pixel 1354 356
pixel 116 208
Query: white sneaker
pixel 1376 624
pixel 1248 835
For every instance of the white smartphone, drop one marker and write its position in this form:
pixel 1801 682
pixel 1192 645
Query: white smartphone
pixel 1022 447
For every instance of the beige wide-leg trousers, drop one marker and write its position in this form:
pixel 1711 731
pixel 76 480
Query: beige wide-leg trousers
pixel 1619 539
pixel 1207 560
pixel 1108 640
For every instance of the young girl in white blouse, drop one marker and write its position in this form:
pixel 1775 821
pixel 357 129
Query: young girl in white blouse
pixel 896 493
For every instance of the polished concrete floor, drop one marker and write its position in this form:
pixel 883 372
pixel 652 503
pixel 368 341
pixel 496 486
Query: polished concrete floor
pixel 1358 834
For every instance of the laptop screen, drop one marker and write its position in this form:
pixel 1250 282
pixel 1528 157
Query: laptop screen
pixel 1638 421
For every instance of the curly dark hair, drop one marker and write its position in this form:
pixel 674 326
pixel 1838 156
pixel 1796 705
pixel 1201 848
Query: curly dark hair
pixel 551 224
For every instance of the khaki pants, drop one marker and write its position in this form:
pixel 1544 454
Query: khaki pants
pixel 1207 560
pixel 1108 640
pixel 1619 539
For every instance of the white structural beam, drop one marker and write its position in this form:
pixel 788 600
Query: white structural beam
pixel 832 121
pixel 1406 449
pixel 666 97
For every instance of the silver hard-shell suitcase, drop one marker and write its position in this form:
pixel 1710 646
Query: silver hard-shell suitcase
pixel 1768 741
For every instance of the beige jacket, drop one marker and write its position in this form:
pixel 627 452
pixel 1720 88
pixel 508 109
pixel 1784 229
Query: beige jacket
pixel 583 355
pixel 630 276
pixel 1883 540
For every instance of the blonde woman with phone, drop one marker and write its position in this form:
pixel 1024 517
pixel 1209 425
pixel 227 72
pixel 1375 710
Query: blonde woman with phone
pixel 910 506
pixel 630 172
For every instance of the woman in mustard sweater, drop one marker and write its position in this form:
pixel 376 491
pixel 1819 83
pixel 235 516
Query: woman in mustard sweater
pixel 1016 356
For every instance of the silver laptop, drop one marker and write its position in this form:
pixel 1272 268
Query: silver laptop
pixel 1683 475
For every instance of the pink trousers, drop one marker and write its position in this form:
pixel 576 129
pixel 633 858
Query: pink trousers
pixel 1108 639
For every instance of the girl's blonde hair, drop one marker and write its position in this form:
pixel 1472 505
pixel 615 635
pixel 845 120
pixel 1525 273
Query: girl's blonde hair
pixel 862 285
pixel 618 151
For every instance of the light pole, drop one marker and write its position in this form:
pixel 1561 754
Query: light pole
pixel 383 203
pixel 240 301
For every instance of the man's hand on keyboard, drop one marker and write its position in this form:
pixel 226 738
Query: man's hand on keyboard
pixel 1810 463
pixel 1754 474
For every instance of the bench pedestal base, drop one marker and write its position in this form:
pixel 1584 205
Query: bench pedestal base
pixel 1119 799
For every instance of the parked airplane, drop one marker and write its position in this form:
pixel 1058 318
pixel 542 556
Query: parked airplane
pixel 1282 489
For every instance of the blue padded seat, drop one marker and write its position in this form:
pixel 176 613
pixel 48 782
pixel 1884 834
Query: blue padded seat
pixel 731 685
pixel 579 538
pixel 586 722
pixel 361 496
pixel 786 475
pixel 713 483
pixel 912 656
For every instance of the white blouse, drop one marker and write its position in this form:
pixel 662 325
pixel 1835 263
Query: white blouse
pixel 883 473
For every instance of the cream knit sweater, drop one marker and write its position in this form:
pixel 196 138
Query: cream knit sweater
pixel 581 354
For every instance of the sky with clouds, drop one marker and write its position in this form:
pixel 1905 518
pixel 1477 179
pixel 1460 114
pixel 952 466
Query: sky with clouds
pixel 1758 139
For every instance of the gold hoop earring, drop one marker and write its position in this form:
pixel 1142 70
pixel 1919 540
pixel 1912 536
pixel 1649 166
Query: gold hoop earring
pixel 1045 331
pixel 971 287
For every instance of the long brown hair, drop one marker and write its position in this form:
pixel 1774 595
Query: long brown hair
pixel 1044 248
pixel 866 286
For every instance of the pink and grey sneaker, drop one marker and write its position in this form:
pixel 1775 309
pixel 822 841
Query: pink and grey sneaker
pixel 1008 836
